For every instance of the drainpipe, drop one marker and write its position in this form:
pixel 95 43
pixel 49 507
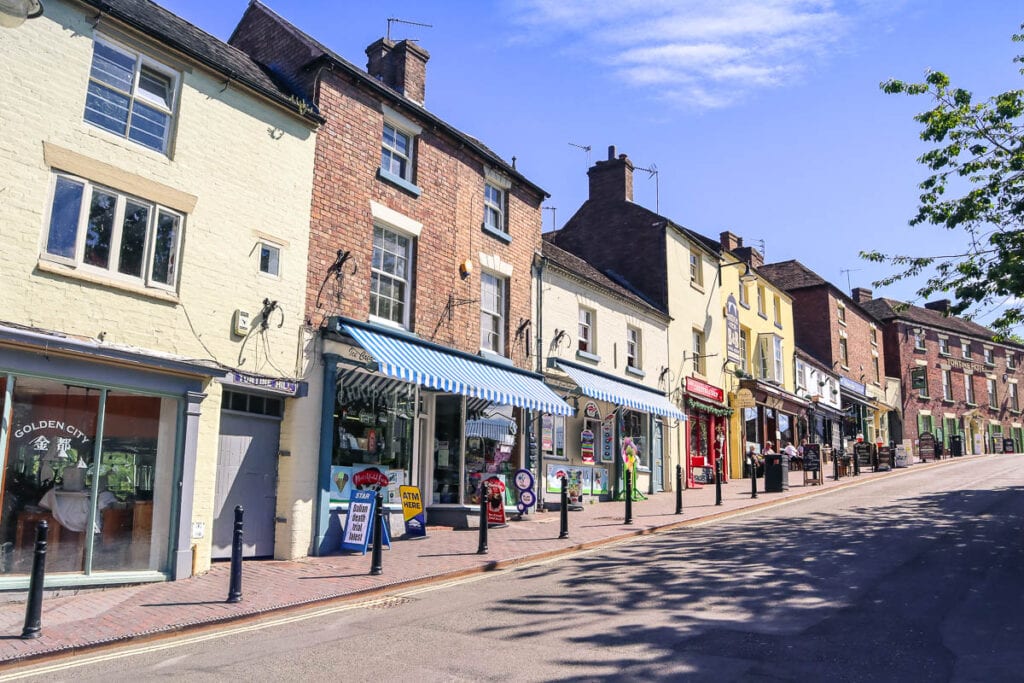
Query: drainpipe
pixel 538 271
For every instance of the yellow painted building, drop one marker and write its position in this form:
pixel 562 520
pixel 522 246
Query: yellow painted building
pixel 154 198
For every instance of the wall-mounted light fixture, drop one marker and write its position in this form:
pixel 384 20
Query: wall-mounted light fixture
pixel 466 268
pixel 745 278
pixel 13 13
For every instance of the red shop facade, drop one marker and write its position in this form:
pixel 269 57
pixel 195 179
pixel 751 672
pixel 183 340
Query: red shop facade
pixel 707 437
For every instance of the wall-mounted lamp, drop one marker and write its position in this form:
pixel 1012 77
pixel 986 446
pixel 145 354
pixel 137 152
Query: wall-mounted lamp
pixel 466 268
pixel 745 278
pixel 13 13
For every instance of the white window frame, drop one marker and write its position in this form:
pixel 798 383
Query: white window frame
pixel 111 272
pixel 1011 361
pixel 780 366
pixel 943 346
pixel 965 348
pixel 633 347
pixel 586 337
pixel 947 385
pixel 744 349
pixel 696 269
pixel 699 348
pixel 993 395
pixel 1011 392
pixel 990 356
pixel 382 274
pixel 744 299
pixel 496 318
pixel 274 249
pixel 877 369
pixel 919 340
pixel 969 389
pixel 137 94
pixel 494 208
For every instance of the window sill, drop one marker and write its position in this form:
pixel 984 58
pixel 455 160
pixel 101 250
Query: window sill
pixel 918 348
pixel 399 182
pixel 778 325
pixel 498 234
pixel 45 266
pixel 592 357
pixel 390 324
pixel 495 357
pixel 697 286
pixel 1014 412
pixel 924 397
pixel 630 370
pixel 762 315
pixel 944 355
pixel 948 401
pixel 970 405
pixel 745 305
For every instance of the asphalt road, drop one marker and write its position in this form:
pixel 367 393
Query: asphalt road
pixel 913 578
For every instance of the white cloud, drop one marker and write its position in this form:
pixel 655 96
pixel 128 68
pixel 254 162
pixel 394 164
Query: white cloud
pixel 700 54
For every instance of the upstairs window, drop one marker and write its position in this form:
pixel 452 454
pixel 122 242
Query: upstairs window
pixel 696 269
pixel 947 385
pixel 874 335
pixel 586 331
pixel 270 259
pixel 744 299
pixel 130 95
pixel 993 398
pixel 1011 390
pixel 699 349
pixel 990 357
pixel 918 338
pixel 965 346
pixel 943 346
pixel 1011 361
pixel 877 371
pixel 760 301
pixel 494 208
pixel 390 276
pixel 844 352
pixel 969 389
pixel 396 153
pixel 777 302
pixel 108 232
pixel 492 313
pixel 744 349
pixel 632 347
pixel 841 314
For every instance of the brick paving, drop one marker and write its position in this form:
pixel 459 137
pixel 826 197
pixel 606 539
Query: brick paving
pixel 73 622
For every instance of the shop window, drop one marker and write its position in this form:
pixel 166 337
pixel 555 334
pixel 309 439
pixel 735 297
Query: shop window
pixel 107 232
pixel 373 430
pixel 53 472
pixel 490 449
pixel 447 449
pixel 634 426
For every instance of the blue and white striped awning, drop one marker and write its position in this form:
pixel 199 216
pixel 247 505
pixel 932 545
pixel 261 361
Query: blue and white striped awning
pixel 429 366
pixel 620 393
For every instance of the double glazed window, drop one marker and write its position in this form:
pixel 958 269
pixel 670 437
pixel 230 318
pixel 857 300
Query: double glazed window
pixel 96 228
pixel 494 208
pixel 130 95
pixel 390 277
pixel 396 153
pixel 492 313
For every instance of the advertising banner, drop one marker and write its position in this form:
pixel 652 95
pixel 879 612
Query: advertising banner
pixel 412 512
pixel 495 502
pixel 358 523
pixel 587 446
pixel 599 481
pixel 346 480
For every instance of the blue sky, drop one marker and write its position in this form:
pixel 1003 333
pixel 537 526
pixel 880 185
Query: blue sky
pixel 762 117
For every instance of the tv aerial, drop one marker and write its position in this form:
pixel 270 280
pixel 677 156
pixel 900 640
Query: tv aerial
pixel 396 20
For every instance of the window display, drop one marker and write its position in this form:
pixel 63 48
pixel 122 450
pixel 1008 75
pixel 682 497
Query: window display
pixel 490 442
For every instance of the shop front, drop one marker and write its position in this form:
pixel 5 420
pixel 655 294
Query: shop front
pixel 775 418
pixel 401 411
pixel 707 432
pixel 858 424
pixel 99 443
pixel 619 421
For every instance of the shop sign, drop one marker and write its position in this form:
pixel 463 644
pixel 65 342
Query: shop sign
pixel 587 446
pixel 359 523
pixel 918 378
pixel 348 480
pixel 733 351
pixel 608 439
pixel 495 502
pixel 961 364
pixel 744 399
pixel 412 511
pixel 274 384
pixel 590 410
pixel 698 388
pixel 849 384
pixel 41 442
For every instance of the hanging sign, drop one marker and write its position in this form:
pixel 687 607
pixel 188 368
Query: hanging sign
pixel 590 410
pixel 744 399
pixel 608 439
pixel 733 350
pixel 495 502
pixel 412 512
pixel 587 446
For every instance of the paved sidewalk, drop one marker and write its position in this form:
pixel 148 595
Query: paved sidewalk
pixel 94 618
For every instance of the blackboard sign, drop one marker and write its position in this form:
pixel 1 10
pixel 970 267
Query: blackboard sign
pixel 812 457
pixel 863 452
pixel 926 446
pixel 884 458
pixel 1008 446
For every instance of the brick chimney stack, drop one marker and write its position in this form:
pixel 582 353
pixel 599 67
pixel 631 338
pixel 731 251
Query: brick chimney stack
pixel 940 305
pixel 729 241
pixel 862 294
pixel 612 180
pixel 401 66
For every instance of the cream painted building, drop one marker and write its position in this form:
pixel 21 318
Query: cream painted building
pixel 604 347
pixel 155 190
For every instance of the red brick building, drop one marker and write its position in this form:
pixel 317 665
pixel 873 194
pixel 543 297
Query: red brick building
pixel 421 246
pixel 958 384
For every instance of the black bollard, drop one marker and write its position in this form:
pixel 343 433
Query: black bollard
pixel 235 586
pixel 376 557
pixel 856 464
pixel 629 497
pixel 34 609
pixel 482 548
pixel 563 531
pixel 835 465
pixel 753 477
pixel 718 481
pixel 679 489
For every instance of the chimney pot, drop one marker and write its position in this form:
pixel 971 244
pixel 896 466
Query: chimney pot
pixel 611 180
pixel 611 152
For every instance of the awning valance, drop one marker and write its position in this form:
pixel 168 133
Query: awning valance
pixel 412 360
pixel 621 393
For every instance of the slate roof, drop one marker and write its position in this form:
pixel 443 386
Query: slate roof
pixel 371 83
pixel 790 275
pixel 170 29
pixel 890 309
pixel 613 283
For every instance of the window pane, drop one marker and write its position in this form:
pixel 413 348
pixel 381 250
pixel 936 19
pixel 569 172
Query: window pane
pixel 112 67
pixel 100 229
pixel 67 203
pixel 133 239
pixel 270 259
pixel 106 108
pixel 149 126
pixel 155 87
pixel 165 252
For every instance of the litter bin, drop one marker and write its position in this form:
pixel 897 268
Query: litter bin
pixel 956 445
pixel 773 473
